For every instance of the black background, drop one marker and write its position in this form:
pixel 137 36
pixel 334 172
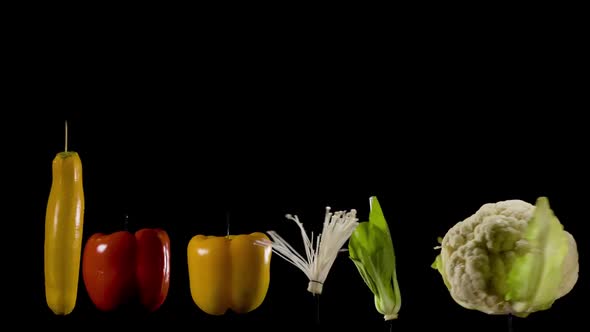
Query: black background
pixel 177 137
pixel 169 172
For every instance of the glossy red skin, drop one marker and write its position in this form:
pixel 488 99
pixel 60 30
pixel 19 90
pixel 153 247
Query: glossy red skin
pixel 152 267
pixel 120 266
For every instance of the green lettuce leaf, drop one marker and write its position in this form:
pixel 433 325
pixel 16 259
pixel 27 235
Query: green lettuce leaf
pixel 371 249
pixel 534 279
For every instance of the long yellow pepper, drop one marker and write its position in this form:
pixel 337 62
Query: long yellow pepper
pixel 63 233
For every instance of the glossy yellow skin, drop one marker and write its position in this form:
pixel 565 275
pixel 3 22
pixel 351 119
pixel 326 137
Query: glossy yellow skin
pixel 229 272
pixel 63 233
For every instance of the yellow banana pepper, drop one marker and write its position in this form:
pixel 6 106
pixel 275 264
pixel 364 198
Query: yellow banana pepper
pixel 63 233
pixel 229 272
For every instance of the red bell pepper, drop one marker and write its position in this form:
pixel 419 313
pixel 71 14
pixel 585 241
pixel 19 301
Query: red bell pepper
pixel 121 267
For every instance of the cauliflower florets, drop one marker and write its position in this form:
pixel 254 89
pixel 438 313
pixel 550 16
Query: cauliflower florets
pixel 477 253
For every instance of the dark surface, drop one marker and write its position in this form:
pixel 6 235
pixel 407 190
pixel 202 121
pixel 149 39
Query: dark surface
pixel 434 134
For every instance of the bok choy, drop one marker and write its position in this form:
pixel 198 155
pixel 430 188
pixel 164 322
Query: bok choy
pixel 371 249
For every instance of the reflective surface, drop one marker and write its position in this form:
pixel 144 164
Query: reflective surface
pixel 63 233
pixel 121 267
pixel 230 272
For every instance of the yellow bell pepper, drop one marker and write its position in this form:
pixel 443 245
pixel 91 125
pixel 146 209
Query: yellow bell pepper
pixel 63 233
pixel 229 272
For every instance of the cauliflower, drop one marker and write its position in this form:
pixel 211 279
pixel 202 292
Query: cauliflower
pixel 510 257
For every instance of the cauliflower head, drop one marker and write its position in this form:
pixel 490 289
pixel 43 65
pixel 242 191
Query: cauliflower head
pixel 507 259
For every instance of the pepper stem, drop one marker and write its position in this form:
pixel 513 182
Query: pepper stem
pixel 126 223
pixel 227 222
pixel 66 134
